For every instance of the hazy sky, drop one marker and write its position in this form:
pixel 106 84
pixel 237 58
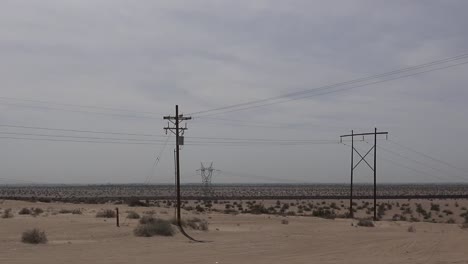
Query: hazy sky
pixel 147 56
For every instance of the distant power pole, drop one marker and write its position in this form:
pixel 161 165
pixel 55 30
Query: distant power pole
pixel 363 158
pixel 179 132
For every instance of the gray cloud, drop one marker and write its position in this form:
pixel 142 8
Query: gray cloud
pixel 150 55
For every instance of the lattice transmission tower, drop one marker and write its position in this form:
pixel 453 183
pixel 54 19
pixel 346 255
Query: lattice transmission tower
pixel 206 173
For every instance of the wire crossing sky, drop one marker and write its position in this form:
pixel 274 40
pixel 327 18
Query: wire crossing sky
pixel 271 86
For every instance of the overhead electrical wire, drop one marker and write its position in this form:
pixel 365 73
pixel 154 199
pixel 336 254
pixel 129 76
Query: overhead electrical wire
pixel 77 105
pixel 79 111
pixel 157 160
pixel 81 131
pixel 427 156
pixel 418 162
pixel 189 138
pixel 301 94
pixel 423 173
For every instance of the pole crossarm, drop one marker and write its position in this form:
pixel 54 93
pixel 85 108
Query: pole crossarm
pixel 364 134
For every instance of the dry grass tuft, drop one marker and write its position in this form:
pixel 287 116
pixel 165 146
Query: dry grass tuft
pixel 7 213
pixel 365 223
pixel 154 226
pixel 108 213
pixel 133 215
pixel 34 236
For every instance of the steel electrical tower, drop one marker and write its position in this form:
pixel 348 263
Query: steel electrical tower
pixel 206 173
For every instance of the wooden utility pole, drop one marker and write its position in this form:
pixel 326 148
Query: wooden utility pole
pixel 363 158
pixel 179 132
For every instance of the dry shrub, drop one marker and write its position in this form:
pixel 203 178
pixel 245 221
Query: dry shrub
pixel 37 211
pixel 65 211
pixel 108 213
pixel 284 221
pixel 7 213
pixel 24 211
pixel 412 229
pixel 133 215
pixel 154 226
pixel 366 223
pixel 76 211
pixel 197 224
pixel 34 236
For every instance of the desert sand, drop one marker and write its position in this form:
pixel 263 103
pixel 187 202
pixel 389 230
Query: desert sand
pixel 241 238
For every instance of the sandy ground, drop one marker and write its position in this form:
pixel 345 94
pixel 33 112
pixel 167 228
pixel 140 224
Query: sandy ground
pixel 233 239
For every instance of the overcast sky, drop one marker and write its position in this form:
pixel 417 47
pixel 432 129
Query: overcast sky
pixel 147 56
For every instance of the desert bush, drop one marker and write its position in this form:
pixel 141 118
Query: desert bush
pixel 324 213
pixel 451 221
pixel 133 215
pixel 24 211
pixel 197 224
pixel 37 211
pixel 65 211
pixel 284 221
pixel 435 207
pixel 150 212
pixel 108 213
pixel 365 222
pixel 76 211
pixel 132 202
pixel 464 226
pixel 154 227
pixel 447 212
pixel 411 229
pixel 34 236
pixel 147 219
pixel 7 213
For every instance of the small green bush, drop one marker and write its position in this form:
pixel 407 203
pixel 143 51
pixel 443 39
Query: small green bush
pixel 34 236
pixel 108 213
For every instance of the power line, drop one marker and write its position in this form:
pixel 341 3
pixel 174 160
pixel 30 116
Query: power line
pixel 77 111
pixel 150 135
pixel 80 141
pixel 81 131
pixel 418 162
pixel 76 105
pixel 157 160
pixel 424 173
pixel 407 167
pixel 251 104
pixel 427 156
pixel 80 137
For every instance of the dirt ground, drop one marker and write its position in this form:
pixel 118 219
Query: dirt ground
pixel 241 238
